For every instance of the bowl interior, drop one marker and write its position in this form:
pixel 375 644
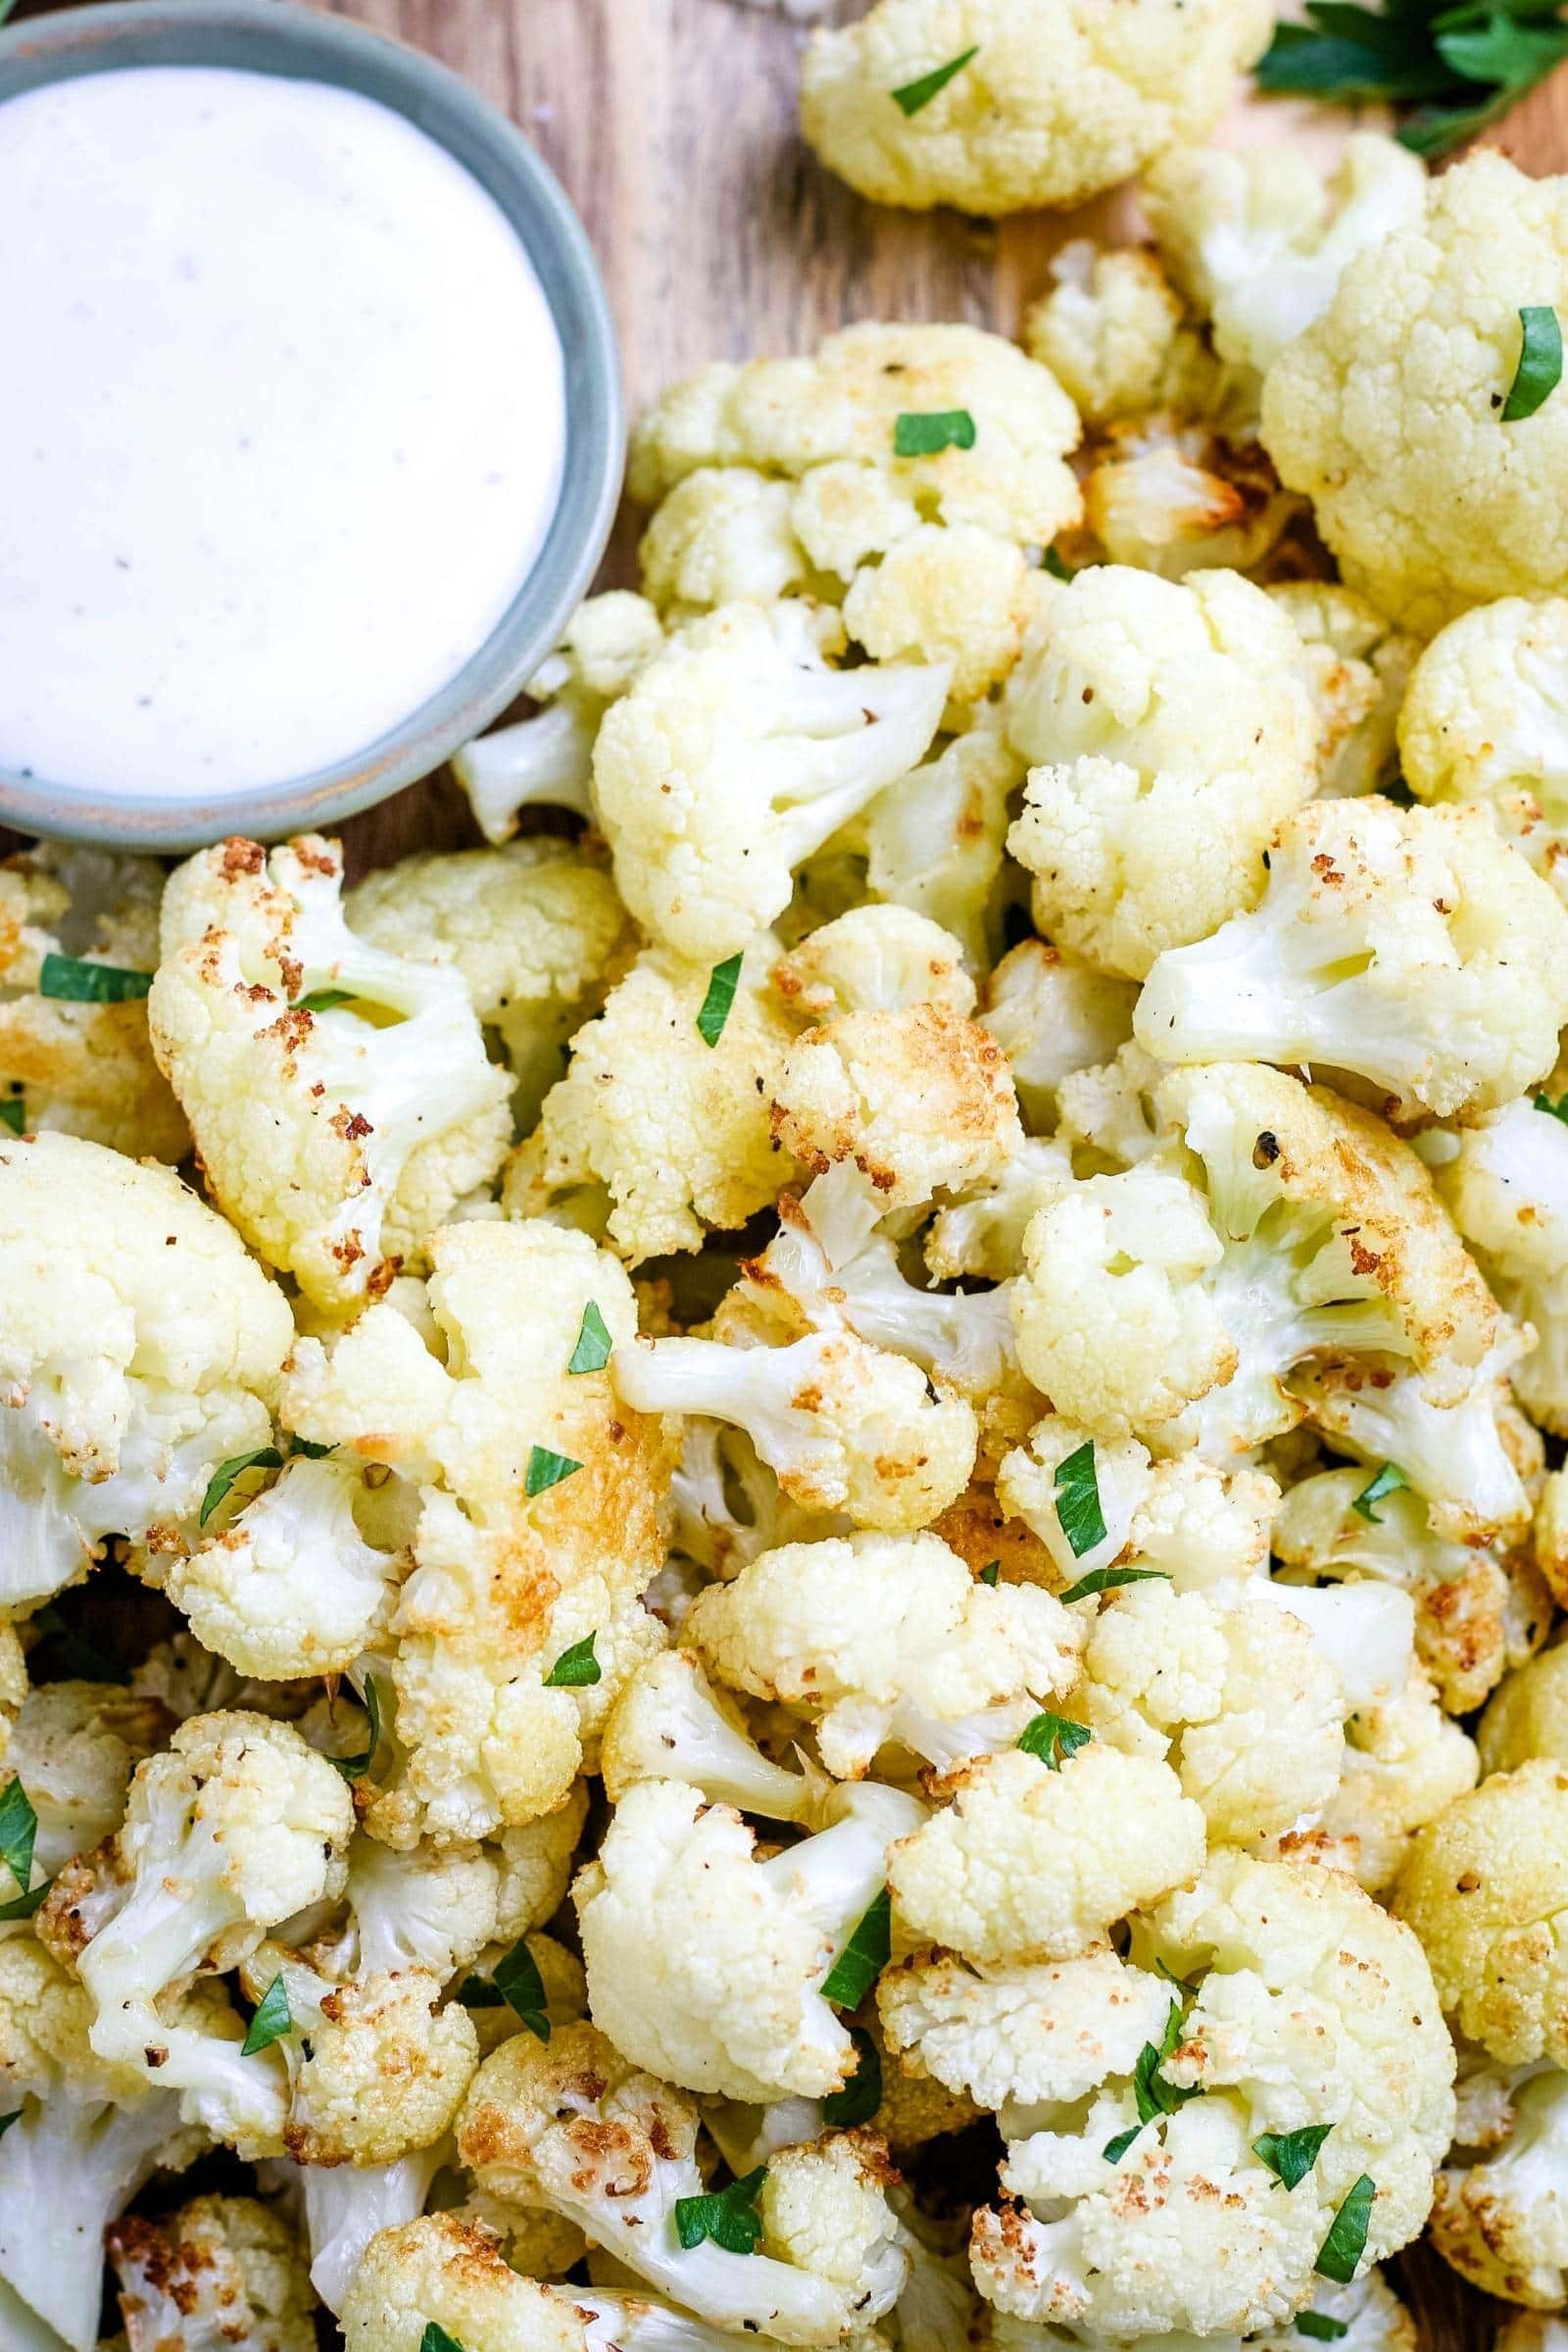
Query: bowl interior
pixel 275 36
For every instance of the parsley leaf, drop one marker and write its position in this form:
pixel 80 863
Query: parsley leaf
pixel 23 1906
pixel 264 1457
pixel 863 1958
pixel 354 1768
pixel 272 2020
pixel 76 981
pixel 1115 2149
pixel 18 1827
pixel 861 2094
pixel 728 2216
pixel 1345 2242
pixel 722 982
pixel 1539 368
pixel 546 1469
pixel 594 1343
pixel 1105 1579
pixel 911 97
pixel 1290 2155
pixel 1154 2096
pixel 1554 1110
pixel 6 2121
pixel 1054 1737
pixel 1321 2327
pixel 516 1976
pixel 925 434
pixel 1077 1490
pixel 13 1114
pixel 436 2339
pixel 576 1668
pixel 324 999
pixel 1457 63
pixel 1388 1480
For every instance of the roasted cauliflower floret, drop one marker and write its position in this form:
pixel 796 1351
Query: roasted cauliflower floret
pixel 1507 1185
pixel 1527 1715
pixel 1113 330
pixel 1039 110
pixel 226 2269
pixel 723 535
pixel 1176 733
pixel 959 597
pixel 1052 1013
pixel 444 2273
pixel 73 1748
pixel 334 1135
pixel 1405 1764
pixel 1356 667
pixel 876 958
pixel 1503 2220
pixel 1032 2035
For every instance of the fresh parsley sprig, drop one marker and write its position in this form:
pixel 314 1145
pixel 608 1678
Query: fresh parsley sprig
pixel 1453 68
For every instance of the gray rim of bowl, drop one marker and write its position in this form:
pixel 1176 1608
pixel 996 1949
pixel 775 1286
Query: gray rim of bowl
pixel 276 37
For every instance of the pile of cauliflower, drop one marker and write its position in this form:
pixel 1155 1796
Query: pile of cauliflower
pixel 805 1592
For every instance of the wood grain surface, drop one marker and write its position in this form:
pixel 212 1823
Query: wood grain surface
pixel 672 124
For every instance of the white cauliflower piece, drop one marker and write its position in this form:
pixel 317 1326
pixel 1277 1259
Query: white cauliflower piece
pixel 1158 709
pixel 139 1350
pixel 876 958
pixel 1507 1185
pixel 73 1748
pixel 333 1141
pixel 981 1232
pixel 1527 1715
pixel 934 841
pixel 1177 495
pixel 1030 2035
pixel 1356 667
pixel 1052 1013
pixel 535 1861
pixel 1405 1764
pixel 724 534
pixel 956 596
pixel 669 1724
pixel 1187 1518
pixel 1039 112
pixel 223 2271
pixel 442 2272
pixel 1113 330
pixel 1502 2222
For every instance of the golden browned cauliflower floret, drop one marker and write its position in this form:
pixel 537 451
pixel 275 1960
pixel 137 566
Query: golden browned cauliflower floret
pixel 1527 1715
pixel 1046 104
pixel 220 2270
pixel 1113 330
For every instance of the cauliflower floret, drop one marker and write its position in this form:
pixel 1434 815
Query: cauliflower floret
pixel 1485 1888
pixel 1177 495
pixel 734 756
pixel 708 1964
pixel 800 418
pixel 440 2275
pixel 535 1860
pixel 333 1141
pixel 1356 669
pixel 574 2127
pixel 1042 110
pixel 1159 709
pixel 920 1102
pixel 1409 947
pixel 1113 330
pixel 1034 2036
pixel 139 1350
pixel 1259 243
pixel 670 1724
pixel 1036 1861
pixel 549 758
pixel 723 534
pixel 875 959
pixel 934 841
pixel 982 1231
pixel 1527 1715
pixel 80 1067
pixel 1405 1764
pixel 1486 719
pixel 1186 1518
pixel 533 929
pixel 825 2209
pixel 887 1639
pixel 674 1130
pixel 1388 412
pixel 221 2270
pixel 959 597
pixel 73 1748
pixel 1504 2222
pixel 1507 1185
pixel 432 1908
pixel 1052 1013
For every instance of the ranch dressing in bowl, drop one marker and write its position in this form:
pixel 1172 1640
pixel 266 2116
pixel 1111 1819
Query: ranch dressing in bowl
pixel 284 415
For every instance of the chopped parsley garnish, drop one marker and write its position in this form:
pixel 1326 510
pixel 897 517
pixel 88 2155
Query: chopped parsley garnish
pixel 1321 2327
pixel 324 999
pixel 18 1827
pixel 576 1668
pixel 6 2121
pixel 436 2339
pixel 1388 1481
pixel 22 1906
pixel 264 1457
pixel 1554 1110
pixel 1154 2096
pixel 516 1976
pixel 1345 2242
pixel 546 1469
pixel 722 982
pixel 911 97
pixel 76 981
pixel 926 433
pixel 1077 1488
pixel 1456 66
pixel 861 2094
pixel 1539 368
pixel 1115 2149
pixel 728 2216
pixel 1105 1579
pixel 990 1573
pixel 1290 2155
pixel 594 1343
pixel 1054 1737
pixel 312 1452
pixel 272 2020
pixel 13 1114
pixel 863 1958
pixel 354 1768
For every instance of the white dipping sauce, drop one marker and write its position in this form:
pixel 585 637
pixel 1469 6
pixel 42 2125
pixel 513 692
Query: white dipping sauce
pixel 282 417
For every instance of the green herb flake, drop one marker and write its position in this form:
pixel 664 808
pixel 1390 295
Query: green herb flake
pixel 863 1958
pixel 861 2094
pixel 1554 1110
pixel 1054 1737
pixel 1321 2327
pixel 13 1114
pixel 990 1573
pixel 546 1469
pixel 18 1827
pixel 311 1452
pixel 576 1668
pixel 1057 570
pixel 722 982
pixel 1345 2242
pixel 436 2339
pixel 354 1768
pixel 272 2020
pixel 478 1992
pixel 728 2216
pixel 1115 2149
pixel 1106 1579
pixel 6 2121
pixel 1457 63
pixel 1389 1480
pixel 1290 2155
pixel 23 1906
pixel 925 434
pixel 74 980
pixel 1539 368
pixel 1077 1488
pixel 1187 1986
pixel 1154 2096
pixel 516 1978
pixel 324 999
pixel 264 1457
pixel 911 97
pixel 594 1343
